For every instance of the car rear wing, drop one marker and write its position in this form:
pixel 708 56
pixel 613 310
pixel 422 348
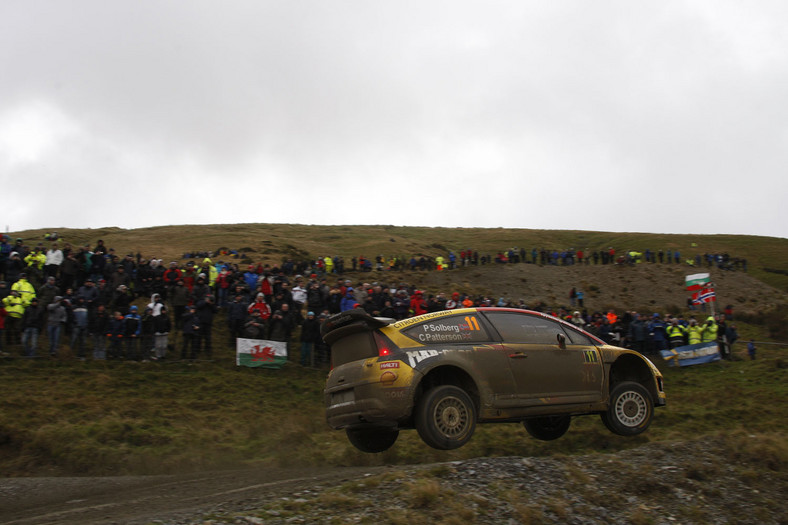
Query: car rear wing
pixel 350 322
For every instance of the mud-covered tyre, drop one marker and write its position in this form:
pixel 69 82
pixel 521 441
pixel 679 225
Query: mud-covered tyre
pixel 547 428
pixel 372 440
pixel 445 417
pixel 630 410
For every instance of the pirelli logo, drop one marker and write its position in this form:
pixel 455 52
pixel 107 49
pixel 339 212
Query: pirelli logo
pixel 590 356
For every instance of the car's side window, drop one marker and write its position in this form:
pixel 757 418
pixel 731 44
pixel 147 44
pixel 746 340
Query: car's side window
pixel 452 329
pixel 524 328
pixel 576 338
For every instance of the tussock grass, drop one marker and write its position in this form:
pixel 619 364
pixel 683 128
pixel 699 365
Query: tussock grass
pixel 145 418
pixel 424 493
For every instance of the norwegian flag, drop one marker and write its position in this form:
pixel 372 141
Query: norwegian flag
pixel 706 295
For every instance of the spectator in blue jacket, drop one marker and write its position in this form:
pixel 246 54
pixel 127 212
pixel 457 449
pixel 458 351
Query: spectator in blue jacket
pixel 348 300
pixel 131 333
pixel 657 333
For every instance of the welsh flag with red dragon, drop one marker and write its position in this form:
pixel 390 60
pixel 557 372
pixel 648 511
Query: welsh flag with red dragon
pixel 260 353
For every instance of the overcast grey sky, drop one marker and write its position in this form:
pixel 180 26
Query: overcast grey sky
pixel 667 116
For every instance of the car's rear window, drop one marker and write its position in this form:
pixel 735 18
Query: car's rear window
pixel 453 329
pixel 353 347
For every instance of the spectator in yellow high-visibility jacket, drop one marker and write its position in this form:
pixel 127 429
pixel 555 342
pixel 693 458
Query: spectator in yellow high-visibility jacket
pixel 709 330
pixel 694 332
pixel 14 308
pixel 25 289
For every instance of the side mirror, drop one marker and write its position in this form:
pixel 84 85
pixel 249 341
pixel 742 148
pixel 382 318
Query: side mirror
pixel 561 341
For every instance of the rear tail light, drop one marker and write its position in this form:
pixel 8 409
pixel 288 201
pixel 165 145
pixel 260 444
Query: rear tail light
pixel 384 349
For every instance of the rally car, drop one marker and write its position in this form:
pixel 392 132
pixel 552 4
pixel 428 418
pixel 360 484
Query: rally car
pixel 443 372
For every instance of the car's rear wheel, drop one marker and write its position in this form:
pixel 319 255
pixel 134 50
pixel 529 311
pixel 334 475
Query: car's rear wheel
pixel 547 428
pixel 372 440
pixel 630 410
pixel 445 417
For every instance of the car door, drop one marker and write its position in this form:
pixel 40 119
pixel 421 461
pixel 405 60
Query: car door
pixel 462 340
pixel 545 369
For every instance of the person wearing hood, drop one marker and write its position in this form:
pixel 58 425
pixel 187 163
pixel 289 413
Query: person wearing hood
pixel 34 262
pixel 200 289
pixel 401 304
pixel 348 301
pixel 15 308
pixel 131 333
pixel 452 303
pixel 418 305
pixel 261 306
pixel 161 331
pixel 656 329
pixel 25 289
pixel 155 304
pixel 251 277
pixel 709 332
pixel 210 271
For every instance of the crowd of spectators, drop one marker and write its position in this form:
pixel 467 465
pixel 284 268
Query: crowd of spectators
pixel 514 255
pixel 81 295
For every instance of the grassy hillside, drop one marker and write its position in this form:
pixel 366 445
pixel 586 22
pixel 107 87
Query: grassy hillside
pixel 767 256
pixel 70 417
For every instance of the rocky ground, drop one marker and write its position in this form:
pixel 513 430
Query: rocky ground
pixel 654 484
pixel 693 482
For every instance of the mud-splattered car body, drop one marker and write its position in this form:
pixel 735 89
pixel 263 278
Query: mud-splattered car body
pixel 443 372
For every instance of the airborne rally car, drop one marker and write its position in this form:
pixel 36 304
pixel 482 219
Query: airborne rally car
pixel 443 372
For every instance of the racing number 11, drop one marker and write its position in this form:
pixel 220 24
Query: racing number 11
pixel 473 324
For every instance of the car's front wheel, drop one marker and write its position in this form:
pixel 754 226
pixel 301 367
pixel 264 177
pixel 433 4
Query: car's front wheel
pixel 547 428
pixel 372 440
pixel 630 410
pixel 445 417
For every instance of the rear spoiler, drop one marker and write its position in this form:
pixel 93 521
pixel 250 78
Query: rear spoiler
pixel 352 321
